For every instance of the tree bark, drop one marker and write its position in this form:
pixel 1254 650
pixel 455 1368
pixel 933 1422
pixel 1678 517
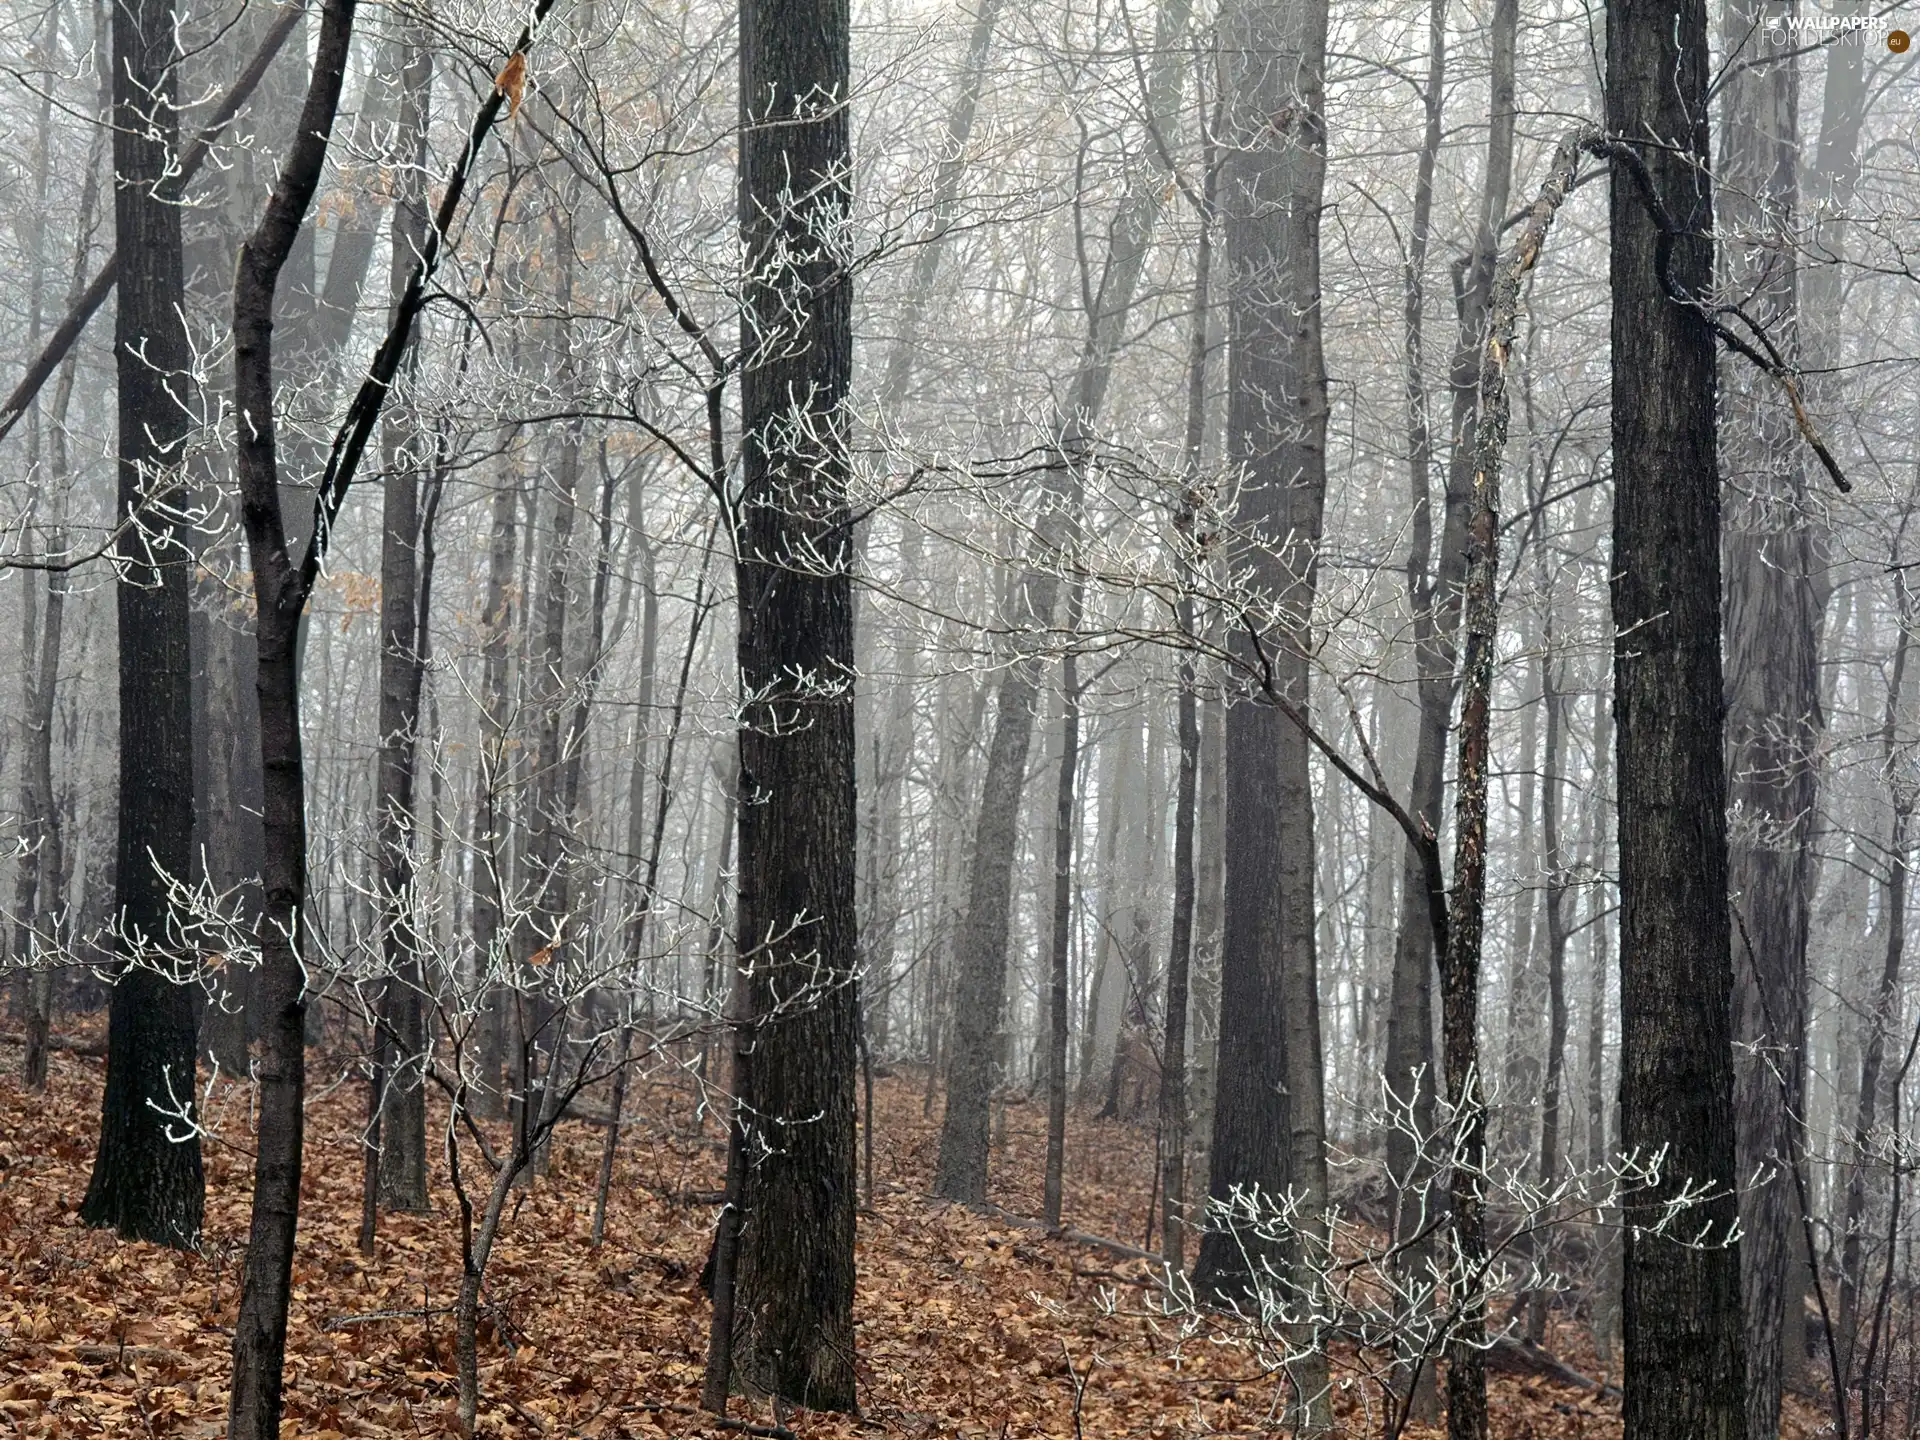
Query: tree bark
pixel 281 588
pixel 1772 696
pixel 1685 1361
pixel 1466 915
pixel 145 1184
pixel 1269 1119
pixel 403 621
pixel 1434 590
pixel 792 1326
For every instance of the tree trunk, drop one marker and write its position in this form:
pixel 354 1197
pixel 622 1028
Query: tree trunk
pixel 1269 1119
pixel 792 1323
pixel 1772 696
pixel 145 1185
pixel 1175 1111
pixel 403 621
pixel 1059 950
pixel 281 588
pixel 1685 1359
pixel 491 824
pixel 35 886
pixel 40 880
pixel 1434 596
pixel 1880 1016
pixel 1466 915
pixel 1559 886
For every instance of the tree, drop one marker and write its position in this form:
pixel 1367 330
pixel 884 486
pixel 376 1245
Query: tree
pixel 281 588
pixel 1269 1122
pixel 1773 610
pixel 792 1301
pixel 147 1182
pixel 399 1084
pixel 1685 1358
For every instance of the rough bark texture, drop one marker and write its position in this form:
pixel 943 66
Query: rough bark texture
pixel 1466 920
pixel 1685 1361
pixel 1773 701
pixel 1269 1126
pixel 281 587
pixel 1434 592
pixel 145 1185
pixel 793 1292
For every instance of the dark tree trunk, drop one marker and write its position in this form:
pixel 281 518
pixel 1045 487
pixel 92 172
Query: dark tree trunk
pixel 1685 1358
pixel 402 1038
pixel 1772 695
pixel 1268 1129
pixel 281 586
pixel 792 1322
pixel 146 1185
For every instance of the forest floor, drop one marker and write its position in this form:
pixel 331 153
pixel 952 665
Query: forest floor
pixel 968 1324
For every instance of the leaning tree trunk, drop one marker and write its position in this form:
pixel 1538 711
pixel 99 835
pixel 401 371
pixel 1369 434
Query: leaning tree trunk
pixel 1685 1357
pixel 792 1290
pixel 1466 915
pixel 1772 695
pixel 1434 592
pixel 146 1185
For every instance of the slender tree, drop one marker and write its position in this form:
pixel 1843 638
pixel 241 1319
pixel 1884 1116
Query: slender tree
pixel 281 588
pixel 402 1034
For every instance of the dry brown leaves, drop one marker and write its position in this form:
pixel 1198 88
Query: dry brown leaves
pixel 968 1326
